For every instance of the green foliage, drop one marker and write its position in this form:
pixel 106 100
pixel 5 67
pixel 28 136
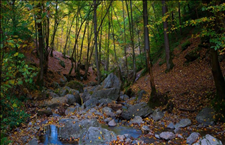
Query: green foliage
pixel 4 140
pixel 140 62
pixel 185 45
pixel 144 71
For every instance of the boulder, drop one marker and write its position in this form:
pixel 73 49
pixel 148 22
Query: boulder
pixel 55 102
pixel 71 110
pixel 208 140
pixel 145 129
pixel 167 135
pixel 192 138
pixel 34 141
pixel 76 85
pixel 112 81
pixel 52 95
pixel 171 125
pixel 206 116
pixel 157 115
pixel 137 119
pixel 97 136
pixel 123 97
pixel 86 96
pixel 111 93
pixel 74 128
pixel 183 123
pixel 45 111
pixel 141 94
pixel 73 99
pixel 112 123
pixel 142 109
pixel 91 103
pixel 62 81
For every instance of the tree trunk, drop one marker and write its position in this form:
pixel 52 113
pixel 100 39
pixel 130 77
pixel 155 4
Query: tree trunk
pixel 54 30
pixel 169 63
pixel 107 54
pixel 147 48
pixel 124 39
pixel 217 75
pixel 40 49
pixel 96 45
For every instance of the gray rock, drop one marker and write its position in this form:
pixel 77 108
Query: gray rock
pixel 74 128
pixel 205 116
pixel 121 137
pixel 111 93
pixel 52 95
pixel 136 119
pixel 183 123
pixel 86 95
pixel 76 85
pixel 157 115
pixel 73 99
pixel 97 136
pixel 171 126
pixel 124 97
pixel 140 94
pixel 55 102
pixel 137 142
pixel 157 136
pixel 55 85
pixel 128 140
pixel 145 129
pixel 34 141
pixel 107 120
pixel 141 109
pixel 208 140
pixel 112 123
pixel 71 110
pixel 112 81
pixel 47 111
pixel 63 81
pixel 192 138
pixel 105 101
pixel 91 103
pixel 167 135
pixel 118 112
pixel 106 110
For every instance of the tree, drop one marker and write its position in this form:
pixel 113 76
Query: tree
pixel 147 47
pixel 169 63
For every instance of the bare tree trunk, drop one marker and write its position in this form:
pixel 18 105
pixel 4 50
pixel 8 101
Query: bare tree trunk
pixel 96 45
pixel 147 48
pixel 124 39
pixel 107 53
pixel 169 63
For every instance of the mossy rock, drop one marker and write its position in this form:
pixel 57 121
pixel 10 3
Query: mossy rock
pixel 185 45
pixel 62 63
pixel 76 85
pixel 192 56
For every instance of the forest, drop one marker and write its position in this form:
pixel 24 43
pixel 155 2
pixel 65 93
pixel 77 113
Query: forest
pixel 107 72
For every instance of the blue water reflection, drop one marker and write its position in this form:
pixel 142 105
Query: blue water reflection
pixel 51 136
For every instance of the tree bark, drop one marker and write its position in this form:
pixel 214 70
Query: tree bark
pixel 147 48
pixel 169 63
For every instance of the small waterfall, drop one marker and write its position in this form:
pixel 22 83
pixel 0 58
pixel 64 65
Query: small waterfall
pixel 51 136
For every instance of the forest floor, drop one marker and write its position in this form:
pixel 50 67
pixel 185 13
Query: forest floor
pixel 188 86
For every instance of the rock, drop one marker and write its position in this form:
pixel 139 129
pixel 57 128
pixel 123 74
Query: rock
pixel 55 85
pixel 208 140
pixel 112 123
pixel 76 85
pixel 105 101
pixel 141 109
pixel 206 116
pixel 111 93
pixel 62 63
pixel 118 112
pixel 63 81
pixel 112 81
pixel 47 111
pixel 157 115
pixel 73 99
pixel 97 136
pixel 52 95
pixel 121 137
pixel 136 119
pixel 192 138
pixel 167 135
pixel 86 95
pixel 74 128
pixel 157 136
pixel 115 106
pixel 108 111
pixel 171 126
pixel 191 56
pixel 138 142
pixel 91 103
pixel 124 97
pixel 34 141
pixel 107 120
pixel 71 110
pixel 140 94
pixel 145 129
pixel 54 102
pixel 128 140
pixel 183 123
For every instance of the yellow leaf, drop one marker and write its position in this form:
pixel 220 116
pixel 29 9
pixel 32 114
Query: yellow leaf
pixel 99 137
pixel 214 139
pixel 14 105
pixel 16 54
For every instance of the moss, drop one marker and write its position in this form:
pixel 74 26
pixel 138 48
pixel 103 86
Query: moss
pixel 62 63
pixel 75 85
pixel 185 45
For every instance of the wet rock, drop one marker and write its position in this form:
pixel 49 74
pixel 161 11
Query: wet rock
pixel 97 135
pixel 192 138
pixel 112 123
pixel 137 119
pixel 205 116
pixel 145 129
pixel 157 115
pixel 167 135
pixel 183 123
pixel 208 140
